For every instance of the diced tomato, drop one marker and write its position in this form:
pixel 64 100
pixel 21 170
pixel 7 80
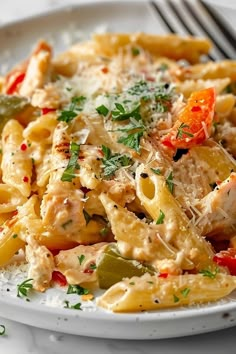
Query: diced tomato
pixel 14 81
pixel 47 110
pixel 227 258
pixel 59 278
pixel 194 121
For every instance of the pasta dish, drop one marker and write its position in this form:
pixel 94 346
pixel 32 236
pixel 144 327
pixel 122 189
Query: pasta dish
pixel 118 171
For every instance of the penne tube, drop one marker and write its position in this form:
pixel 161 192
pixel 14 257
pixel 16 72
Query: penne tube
pixel 153 293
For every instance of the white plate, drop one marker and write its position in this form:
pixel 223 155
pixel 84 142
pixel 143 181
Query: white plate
pixel 15 42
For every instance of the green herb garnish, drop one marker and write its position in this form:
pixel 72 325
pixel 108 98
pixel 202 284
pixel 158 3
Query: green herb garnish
pixel 185 292
pixel 77 289
pixel 176 298
pixel 135 51
pixel 24 287
pixel 121 114
pixel 81 258
pixel 73 165
pixel 74 307
pixel 103 110
pixel 157 171
pixel 161 218
pixel 93 266
pixel 182 132
pixel 208 273
pixel 2 330
pixel 74 108
pixel 169 182
pixel 112 163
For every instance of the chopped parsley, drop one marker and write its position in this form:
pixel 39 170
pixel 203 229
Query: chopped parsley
pixel 93 266
pixel 72 111
pixel 81 258
pixel 77 289
pixel 15 236
pixel 135 51
pixel 75 307
pixel 24 287
pixel 161 218
pixel 157 171
pixel 185 292
pixel 132 134
pixel 169 182
pixel 181 131
pixel 121 114
pixel 2 330
pixel 103 110
pixel 176 298
pixel 112 163
pixel 73 165
pixel 208 273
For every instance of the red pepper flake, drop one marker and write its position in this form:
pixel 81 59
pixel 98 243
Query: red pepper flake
pixel 25 179
pixel 15 213
pixel 196 109
pixel 105 70
pixel 47 110
pixel 59 278
pixel 1 229
pixel 163 275
pixel 23 147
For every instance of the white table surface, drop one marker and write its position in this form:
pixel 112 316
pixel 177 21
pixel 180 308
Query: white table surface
pixel 22 339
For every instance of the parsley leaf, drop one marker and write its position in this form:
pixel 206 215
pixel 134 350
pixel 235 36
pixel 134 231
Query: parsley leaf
pixel 176 298
pixel 169 182
pixel 185 292
pixel 77 289
pixel 73 165
pixel 75 307
pixel 133 133
pixel 161 218
pixel 182 132
pixel 112 163
pixel 24 287
pixel 81 258
pixel 208 273
pixel 157 171
pixel 2 330
pixel 135 51
pixel 103 110
pixel 74 108
pixel 120 114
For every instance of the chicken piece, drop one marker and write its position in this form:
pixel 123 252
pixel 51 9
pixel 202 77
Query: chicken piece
pixel 41 264
pixel 218 209
pixel 49 96
pixel 78 265
pixel 202 166
pixel 121 193
pixel 37 73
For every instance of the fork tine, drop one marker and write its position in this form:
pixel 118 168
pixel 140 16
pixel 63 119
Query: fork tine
pixel 199 21
pixel 164 19
pixel 220 23
pixel 179 14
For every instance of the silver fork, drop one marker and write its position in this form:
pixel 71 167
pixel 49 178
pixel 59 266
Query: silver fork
pixel 198 18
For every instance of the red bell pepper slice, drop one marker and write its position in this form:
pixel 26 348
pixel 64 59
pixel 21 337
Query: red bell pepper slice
pixel 227 258
pixel 194 121
pixel 14 81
